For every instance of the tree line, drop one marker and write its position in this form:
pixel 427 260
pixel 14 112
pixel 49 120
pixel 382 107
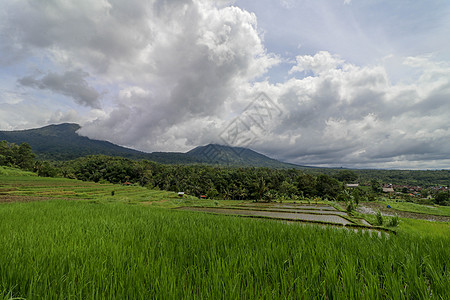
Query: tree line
pixel 211 181
pixel 249 183
pixel 19 156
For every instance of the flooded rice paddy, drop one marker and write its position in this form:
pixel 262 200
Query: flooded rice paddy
pixel 319 207
pixel 323 215
pixel 293 210
pixel 308 213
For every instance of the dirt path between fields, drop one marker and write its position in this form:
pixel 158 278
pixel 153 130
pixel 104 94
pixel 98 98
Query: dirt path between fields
pixel 13 198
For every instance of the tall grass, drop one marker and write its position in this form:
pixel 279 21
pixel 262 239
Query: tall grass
pixel 79 250
pixel 418 208
pixel 9 171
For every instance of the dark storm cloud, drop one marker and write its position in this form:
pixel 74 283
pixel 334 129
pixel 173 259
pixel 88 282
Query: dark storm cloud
pixel 71 84
pixel 197 61
pixel 100 33
pixel 178 72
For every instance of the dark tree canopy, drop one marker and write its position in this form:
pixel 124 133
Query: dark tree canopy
pixel 347 176
pixel 226 182
pixel 16 156
pixel 441 198
pixel 213 181
pixel 327 186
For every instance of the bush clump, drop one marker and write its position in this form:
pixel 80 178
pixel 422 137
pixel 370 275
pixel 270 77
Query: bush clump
pixel 394 221
pixel 379 218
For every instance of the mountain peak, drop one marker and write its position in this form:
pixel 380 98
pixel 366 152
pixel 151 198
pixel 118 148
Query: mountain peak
pixel 234 156
pixel 64 126
pixel 61 142
pixel 59 129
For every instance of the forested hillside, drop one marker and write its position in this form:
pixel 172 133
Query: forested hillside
pixel 224 181
pixel 423 178
pixel 61 142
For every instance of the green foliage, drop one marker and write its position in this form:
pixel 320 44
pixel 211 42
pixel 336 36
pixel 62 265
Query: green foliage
pixel 106 248
pixel 354 195
pixel 215 182
pixel 260 188
pixel 359 195
pixel 441 198
pixel 342 197
pixel 422 228
pixel 214 154
pixel 61 142
pixel 81 250
pixel 327 186
pixel 306 184
pixel 350 207
pixel 424 178
pixel 346 176
pixel 20 156
pixel 348 196
pixel 288 189
pixel 376 186
pixel 380 220
pixel 418 208
pixel 9 171
pixel 26 186
pixel 393 222
pixel 45 169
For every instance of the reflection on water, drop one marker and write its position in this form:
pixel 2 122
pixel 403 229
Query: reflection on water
pixel 272 214
pixel 290 214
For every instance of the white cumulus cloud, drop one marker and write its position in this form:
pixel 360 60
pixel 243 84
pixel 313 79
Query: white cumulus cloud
pixel 165 75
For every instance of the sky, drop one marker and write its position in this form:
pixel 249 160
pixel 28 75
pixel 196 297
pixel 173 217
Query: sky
pixel 332 83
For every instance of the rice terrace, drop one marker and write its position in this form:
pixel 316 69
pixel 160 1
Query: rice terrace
pixel 65 238
pixel 231 149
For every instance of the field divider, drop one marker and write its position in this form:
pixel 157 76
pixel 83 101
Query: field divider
pixel 288 210
pixel 305 207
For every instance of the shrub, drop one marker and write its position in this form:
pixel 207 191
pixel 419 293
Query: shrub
pixel 379 218
pixel 394 221
pixel 441 198
pixel 350 207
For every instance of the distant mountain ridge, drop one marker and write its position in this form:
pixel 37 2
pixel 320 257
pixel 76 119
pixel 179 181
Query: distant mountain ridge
pixel 235 156
pixel 61 142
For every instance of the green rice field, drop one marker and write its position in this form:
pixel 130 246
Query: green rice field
pixel 99 246
pixel 417 208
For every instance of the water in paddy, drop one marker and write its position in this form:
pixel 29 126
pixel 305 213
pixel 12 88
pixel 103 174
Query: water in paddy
pixel 320 207
pixel 274 214
pixel 294 210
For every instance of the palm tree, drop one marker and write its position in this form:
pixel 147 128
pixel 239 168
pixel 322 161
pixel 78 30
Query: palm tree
pixel 242 192
pixel 261 187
